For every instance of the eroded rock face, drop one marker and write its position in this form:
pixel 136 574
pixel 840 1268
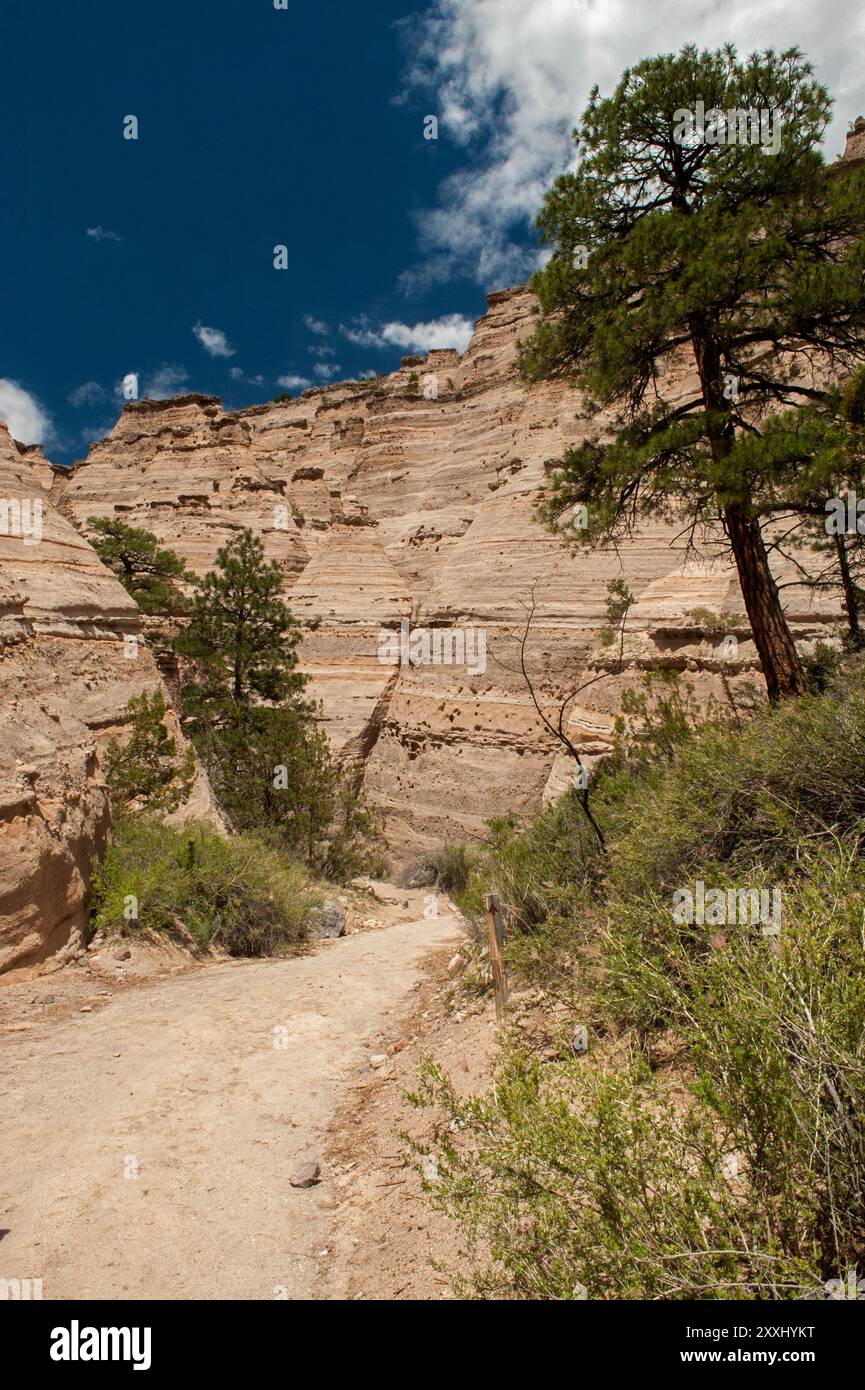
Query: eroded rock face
pixel 408 503
pixel 70 659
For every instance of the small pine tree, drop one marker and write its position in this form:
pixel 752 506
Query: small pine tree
pixel 149 573
pixel 146 773
pixel 271 768
pixel 241 636
pixel 268 761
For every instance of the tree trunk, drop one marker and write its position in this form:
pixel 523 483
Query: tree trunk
pixel 851 597
pixel 782 668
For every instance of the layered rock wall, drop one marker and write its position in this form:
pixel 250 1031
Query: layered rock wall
pixel 71 657
pixel 411 500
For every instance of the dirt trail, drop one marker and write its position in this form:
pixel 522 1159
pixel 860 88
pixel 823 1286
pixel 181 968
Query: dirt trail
pixel 181 1082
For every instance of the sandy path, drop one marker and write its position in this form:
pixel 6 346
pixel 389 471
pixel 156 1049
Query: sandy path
pixel 181 1082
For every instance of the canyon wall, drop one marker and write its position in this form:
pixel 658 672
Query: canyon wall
pixel 411 499
pixel 396 507
pixel 70 660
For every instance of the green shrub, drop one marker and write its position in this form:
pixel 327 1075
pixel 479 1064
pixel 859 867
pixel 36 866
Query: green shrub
pixel 748 798
pixel 591 1184
pixel 677 802
pixel 146 773
pixel 355 837
pixel 240 894
pixel 823 664
pixel 273 773
pixel 447 867
pixel 715 622
pixel 711 1144
pixel 541 872
pixel 737 1172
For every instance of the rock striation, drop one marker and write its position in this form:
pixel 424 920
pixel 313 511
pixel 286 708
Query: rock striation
pixel 402 513
pixel 71 657
pixel 405 506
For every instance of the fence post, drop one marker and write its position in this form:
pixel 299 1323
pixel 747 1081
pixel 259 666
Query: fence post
pixel 496 936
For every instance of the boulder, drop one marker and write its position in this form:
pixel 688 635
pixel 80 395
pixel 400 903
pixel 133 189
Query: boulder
pixel 328 920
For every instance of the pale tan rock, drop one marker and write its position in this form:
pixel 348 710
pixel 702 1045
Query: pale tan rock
pixel 854 150
pixel 412 498
pixel 66 675
pixel 42 467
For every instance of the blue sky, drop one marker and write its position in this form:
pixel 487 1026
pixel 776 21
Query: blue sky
pixel 301 127
pixel 257 127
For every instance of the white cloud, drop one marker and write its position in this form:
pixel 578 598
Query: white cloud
pixel 102 234
pixel 213 340
pixel 509 80
pixel 93 432
pixel 88 393
pixel 167 380
pixel 326 370
pixel 449 331
pixel 293 383
pixel 238 374
pixel 28 421
pixel 317 326
pixel 321 351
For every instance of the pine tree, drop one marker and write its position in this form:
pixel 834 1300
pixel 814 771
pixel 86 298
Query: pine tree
pixel 147 773
pixel 671 241
pixel 269 763
pixel 813 462
pixel 241 636
pixel 150 574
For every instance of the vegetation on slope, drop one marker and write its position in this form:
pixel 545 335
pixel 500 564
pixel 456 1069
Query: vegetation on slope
pixel 293 815
pixel 710 1142
pixel 153 576
pixel 239 894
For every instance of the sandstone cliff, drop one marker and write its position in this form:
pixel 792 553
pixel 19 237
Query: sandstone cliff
pixel 70 659
pixel 398 506
pixel 411 499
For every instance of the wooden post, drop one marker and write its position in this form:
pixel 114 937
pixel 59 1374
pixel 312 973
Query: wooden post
pixel 496 936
